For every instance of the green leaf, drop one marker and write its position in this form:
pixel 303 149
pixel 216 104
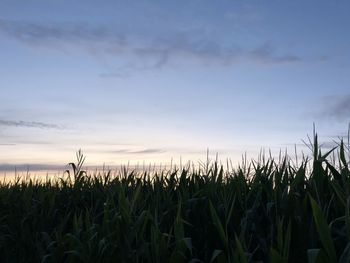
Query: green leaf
pixel 312 255
pixel 230 211
pixel 136 195
pixel 178 225
pixel 323 157
pixel 287 242
pixel 339 192
pixel 215 254
pixel 316 255
pixel 334 171
pixel 342 154
pixel 347 217
pixel 345 256
pixel 323 231
pixel 241 256
pixel 275 257
pixel 218 225
pixel 188 243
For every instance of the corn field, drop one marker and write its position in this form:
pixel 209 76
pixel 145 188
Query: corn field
pixel 265 211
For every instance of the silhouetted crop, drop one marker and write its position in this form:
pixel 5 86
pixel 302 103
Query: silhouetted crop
pixel 260 212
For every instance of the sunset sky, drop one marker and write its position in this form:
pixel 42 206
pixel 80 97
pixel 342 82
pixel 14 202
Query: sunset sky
pixel 154 80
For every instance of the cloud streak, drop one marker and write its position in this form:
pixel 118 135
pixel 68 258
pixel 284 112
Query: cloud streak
pixel 267 54
pixel 338 107
pixel 31 167
pixel 145 151
pixel 29 124
pixel 149 51
pixel 69 32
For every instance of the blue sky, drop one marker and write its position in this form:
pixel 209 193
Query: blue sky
pixel 154 80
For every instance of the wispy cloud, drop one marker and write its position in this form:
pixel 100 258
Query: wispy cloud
pixel 146 51
pixel 29 124
pixel 144 151
pixel 44 33
pixel 33 167
pixel 338 107
pixel 267 54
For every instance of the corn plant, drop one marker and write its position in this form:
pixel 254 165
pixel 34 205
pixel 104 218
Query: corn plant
pixel 267 211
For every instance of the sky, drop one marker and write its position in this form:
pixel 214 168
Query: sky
pixel 151 81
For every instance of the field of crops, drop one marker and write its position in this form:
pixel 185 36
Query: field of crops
pixel 267 211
